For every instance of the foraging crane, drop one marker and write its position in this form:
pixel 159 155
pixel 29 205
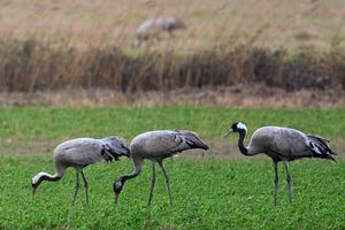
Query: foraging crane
pixel 79 153
pixel 282 144
pixel 151 29
pixel 156 146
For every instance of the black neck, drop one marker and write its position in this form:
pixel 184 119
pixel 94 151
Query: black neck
pixel 130 176
pixel 136 172
pixel 241 146
pixel 48 178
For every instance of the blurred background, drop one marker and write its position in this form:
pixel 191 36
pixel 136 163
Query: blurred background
pixel 267 53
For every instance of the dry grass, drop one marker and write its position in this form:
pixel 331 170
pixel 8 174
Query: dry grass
pixel 240 96
pixel 33 65
pixel 241 54
pixel 105 22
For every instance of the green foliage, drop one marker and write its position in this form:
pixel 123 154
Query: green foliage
pixel 45 123
pixel 205 15
pixel 208 194
pixel 337 39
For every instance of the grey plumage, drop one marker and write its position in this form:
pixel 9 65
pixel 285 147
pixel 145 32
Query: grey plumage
pixel 152 28
pixel 156 146
pixel 282 144
pixel 79 153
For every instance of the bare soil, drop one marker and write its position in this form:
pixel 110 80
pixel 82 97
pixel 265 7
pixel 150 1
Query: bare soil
pixel 239 96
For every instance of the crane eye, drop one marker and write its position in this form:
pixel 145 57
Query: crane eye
pixel 118 184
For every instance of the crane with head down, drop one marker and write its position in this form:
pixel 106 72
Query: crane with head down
pixel 79 153
pixel 156 146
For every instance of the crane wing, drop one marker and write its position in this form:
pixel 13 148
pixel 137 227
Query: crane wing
pixel 319 144
pixel 192 140
pixel 171 143
pixel 108 153
pixel 164 143
pixel 182 140
pixel 319 138
pixel 85 151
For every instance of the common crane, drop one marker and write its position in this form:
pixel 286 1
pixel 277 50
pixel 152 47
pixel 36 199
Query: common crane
pixel 79 153
pixel 152 28
pixel 156 146
pixel 282 144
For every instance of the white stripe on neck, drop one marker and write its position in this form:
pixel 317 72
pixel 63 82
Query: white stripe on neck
pixel 38 176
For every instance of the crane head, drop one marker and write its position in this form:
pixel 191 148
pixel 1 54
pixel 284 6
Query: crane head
pixel 236 127
pixel 117 186
pixel 35 182
pixel 34 188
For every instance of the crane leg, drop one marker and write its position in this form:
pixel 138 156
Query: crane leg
pixel 288 178
pixel 276 179
pixel 167 180
pixel 153 180
pixel 76 189
pixel 86 187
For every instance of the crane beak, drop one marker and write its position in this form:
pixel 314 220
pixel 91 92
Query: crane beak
pixel 116 198
pixel 228 133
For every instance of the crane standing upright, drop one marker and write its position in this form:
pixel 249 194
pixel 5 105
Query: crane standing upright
pixel 79 153
pixel 282 144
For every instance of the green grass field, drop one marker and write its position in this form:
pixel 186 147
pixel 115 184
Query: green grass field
pixel 45 123
pixel 209 193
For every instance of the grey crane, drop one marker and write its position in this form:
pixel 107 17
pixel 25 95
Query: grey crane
pixel 282 144
pixel 151 29
pixel 79 153
pixel 156 146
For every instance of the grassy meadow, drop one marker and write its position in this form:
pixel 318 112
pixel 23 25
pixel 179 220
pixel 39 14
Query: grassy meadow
pixel 209 193
pixel 47 123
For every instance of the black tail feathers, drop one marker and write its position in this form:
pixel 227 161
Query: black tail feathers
pixel 195 142
pixel 320 147
pixel 109 153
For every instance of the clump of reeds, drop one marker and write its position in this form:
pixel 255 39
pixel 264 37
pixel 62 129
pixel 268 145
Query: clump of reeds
pixel 33 65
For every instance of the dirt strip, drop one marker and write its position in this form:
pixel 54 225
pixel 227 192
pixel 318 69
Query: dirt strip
pixel 239 96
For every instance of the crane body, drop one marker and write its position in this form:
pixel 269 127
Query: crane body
pixel 79 153
pixel 282 144
pixel 156 146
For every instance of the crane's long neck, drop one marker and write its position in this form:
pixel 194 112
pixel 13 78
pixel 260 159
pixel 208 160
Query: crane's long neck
pixel 138 165
pixel 241 146
pixel 36 180
pixel 46 176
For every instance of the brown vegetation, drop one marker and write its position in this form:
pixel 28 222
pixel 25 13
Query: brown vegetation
pixel 86 23
pixel 239 96
pixel 32 65
pixel 230 50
